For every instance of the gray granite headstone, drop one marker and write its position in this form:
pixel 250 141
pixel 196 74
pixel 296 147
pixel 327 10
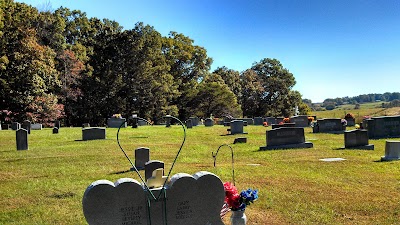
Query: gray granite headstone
pixel 286 138
pixel 237 127
pixel 55 130
pixel 392 151
pixel 300 121
pixel 142 156
pixel 350 122
pixel 26 125
pixel 357 139
pixel 382 127
pixel 271 120
pixel 15 126
pixel 191 200
pixel 22 139
pixel 258 121
pixel 208 122
pixel 93 133
pixel 329 125
pixel 36 126
pixel 189 123
pixel 195 121
pixel 106 203
pixel 168 122
pixel 150 166
pixel 116 122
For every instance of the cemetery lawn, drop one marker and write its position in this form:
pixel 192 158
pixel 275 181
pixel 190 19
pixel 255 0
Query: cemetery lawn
pixel 45 184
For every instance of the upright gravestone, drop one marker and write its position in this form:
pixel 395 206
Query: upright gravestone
pixel 237 127
pixel 85 125
pixel 150 166
pixel 382 127
pixel 168 121
pixel 22 139
pixel 55 130
pixel 357 139
pixel 57 124
pixel 189 123
pixel 271 120
pixel 116 122
pixel 208 122
pixel 142 156
pixel 286 138
pixel 258 121
pixel 300 121
pixel 331 125
pixel 195 121
pixel 135 122
pixel 194 200
pixel 392 151
pixel 15 126
pixel 350 122
pixel 93 133
pixel 36 126
pixel 26 125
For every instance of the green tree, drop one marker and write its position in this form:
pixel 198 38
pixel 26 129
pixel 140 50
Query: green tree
pixel 232 79
pixel 277 83
pixel 214 97
pixel 251 94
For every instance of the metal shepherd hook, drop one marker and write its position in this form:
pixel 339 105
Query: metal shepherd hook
pixel 215 159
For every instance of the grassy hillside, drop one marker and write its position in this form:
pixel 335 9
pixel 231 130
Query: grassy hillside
pixel 45 184
pixel 367 109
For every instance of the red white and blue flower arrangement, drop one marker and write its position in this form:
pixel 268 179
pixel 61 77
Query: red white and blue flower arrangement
pixel 238 201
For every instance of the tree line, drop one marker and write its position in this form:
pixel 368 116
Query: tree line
pixel 63 65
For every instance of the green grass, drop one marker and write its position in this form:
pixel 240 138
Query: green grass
pixel 45 184
pixel 367 109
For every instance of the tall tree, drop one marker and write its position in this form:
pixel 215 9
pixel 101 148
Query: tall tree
pixel 251 94
pixel 276 82
pixel 232 79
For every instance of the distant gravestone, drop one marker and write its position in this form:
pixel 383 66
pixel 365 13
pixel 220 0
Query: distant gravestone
pixel 191 200
pixel 208 122
pixel 57 124
pixel 357 139
pixel 331 125
pixel 274 126
pixel 93 133
pixel 22 139
pixel 189 123
pixel 15 126
pixel 36 126
pixel 142 156
pixel 350 122
pixel 85 125
pixel 116 122
pixel 286 138
pixel 258 121
pixel 382 127
pixel 279 120
pixel 5 126
pixel 392 151
pixel 249 121
pixel 168 121
pixel 55 130
pixel 135 122
pixel 271 120
pixel 236 127
pixel 150 166
pixel 300 121
pixel 195 121
pixel 26 125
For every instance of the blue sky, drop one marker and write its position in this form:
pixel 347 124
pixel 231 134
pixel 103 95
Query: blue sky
pixel 333 48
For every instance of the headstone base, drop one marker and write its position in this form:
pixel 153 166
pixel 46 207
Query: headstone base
pixel 240 140
pixel 362 147
pixel 300 145
pixel 385 158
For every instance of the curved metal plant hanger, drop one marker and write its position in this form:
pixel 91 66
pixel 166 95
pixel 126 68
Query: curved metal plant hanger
pixel 215 159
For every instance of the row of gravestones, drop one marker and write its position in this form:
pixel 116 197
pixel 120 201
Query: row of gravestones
pixel 22 132
pixel 293 137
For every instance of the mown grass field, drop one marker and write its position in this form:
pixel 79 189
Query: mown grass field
pixel 45 184
pixel 367 109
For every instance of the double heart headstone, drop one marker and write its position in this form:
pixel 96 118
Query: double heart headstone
pixel 185 200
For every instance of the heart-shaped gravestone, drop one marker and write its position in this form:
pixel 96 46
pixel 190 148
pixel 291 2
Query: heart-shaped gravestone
pixel 195 200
